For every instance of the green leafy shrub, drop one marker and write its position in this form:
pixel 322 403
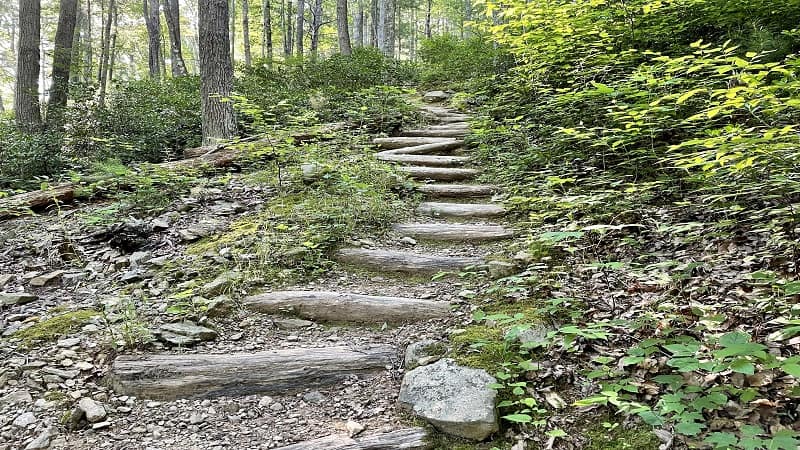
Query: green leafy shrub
pixel 447 58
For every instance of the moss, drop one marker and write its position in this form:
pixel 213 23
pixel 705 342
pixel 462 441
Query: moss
pixel 55 327
pixel 483 347
pixel 55 396
pixel 639 437
pixel 439 441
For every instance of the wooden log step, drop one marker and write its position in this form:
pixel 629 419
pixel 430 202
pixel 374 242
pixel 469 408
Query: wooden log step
pixel 405 439
pixel 453 118
pixel 425 160
pixel 425 149
pixel 438 173
pixel 448 126
pixel 443 132
pixel 460 209
pixel 277 372
pixel 458 190
pixel 342 307
pixel 404 262
pixel 453 232
pixel 391 143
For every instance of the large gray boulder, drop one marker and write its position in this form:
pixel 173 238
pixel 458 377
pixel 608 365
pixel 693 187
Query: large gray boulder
pixel 456 400
pixel 436 96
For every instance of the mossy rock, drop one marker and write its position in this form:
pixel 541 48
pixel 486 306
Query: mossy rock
pixel 55 327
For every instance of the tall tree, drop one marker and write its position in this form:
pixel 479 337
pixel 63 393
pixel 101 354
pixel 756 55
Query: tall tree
pixel 266 41
pixel 248 56
pixel 233 30
pixel 87 39
pixel 172 14
pixel 299 30
pixel 152 20
pixel 358 25
pixel 216 71
pixel 286 26
pixel 62 58
pixel 316 26
pixel 343 27
pixel 105 54
pixel 428 33
pixel 26 95
pixel 386 26
pixel 373 23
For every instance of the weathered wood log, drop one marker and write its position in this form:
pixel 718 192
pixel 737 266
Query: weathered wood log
pixel 391 143
pixel 404 262
pixel 452 118
pixel 458 190
pixel 483 210
pixel 425 149
pixel 441 132
pixel 449 126
pixel 438 173
pixel 424 160
pixel 453 231
pixel 344 307
pixel 321 132
pixel 405 439
pixel 173 376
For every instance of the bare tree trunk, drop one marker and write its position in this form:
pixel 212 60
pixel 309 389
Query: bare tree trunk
pixel 316 25
pixel 105 55
pixel 62 59
pixel 358 25
pixel 89 61
pixel 26 96
pixel 428 33
pixel 267 38
pixel 248 55
pixel 77 46
pixel 216 71
pixel 299 28
pixel 343 28
pixel 374 20
pixel 113 56
pixel 467 18
pixel 152 19
pixel 386 27
pixel 172 14
pixel 233 31
pixel 286 19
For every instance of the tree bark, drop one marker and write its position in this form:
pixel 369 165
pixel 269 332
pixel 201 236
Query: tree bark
pixel 386 27
pixel 105 55
pixel 216 72
pixel 62 59
pixel 89 56
pixel 286 25
pixel 358 25
pixel 428 33
pixel 152 20
pixel 316 25
pixel 299 29
pixel 248 55
pixel 26 96
pixel 374 17
pixel 267 45
pixel 343 27
pixel 232 32
pixel 172 14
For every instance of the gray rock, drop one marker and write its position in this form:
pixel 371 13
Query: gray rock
pixel 501 269
pixel 42 441
pixel 196 419
pixel 435 96
pixel 137 259
pixel 422 353
pixel 176 339
pixel 408 240
pixel 15 398
pixel 292 324
pixel 312 172
pixel 5 279
pixel 535 336
pixel 185 333
pixel 68 342
pixel 24 419
pixel 313 397
pixel 16 298
pixel 456 400
pixel 65 374
pixel 221 284
pixel 93 411
pixel 47 279
pixel 219 306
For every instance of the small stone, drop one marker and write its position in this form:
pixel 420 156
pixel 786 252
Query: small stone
pixel 501 269
pixel 435 96
pixel 314 397
pixel 83 365
pixel 276 407
pixel 422 353
pixel 101 425
pixel 221 284
pixel 236 336
pixel 292 324
pixel 60 372
pixel 196 419
pixel 47 279
pixel 42 441
pixel 408 240
pixel 185 333
pixel 16 298
pixel 5 279
pixel 24 419
pixel 176 339
pixel 94 412
pixel 68 342
pixel 265 401
pixel 15 398
pixel 312 172
pixel 354 428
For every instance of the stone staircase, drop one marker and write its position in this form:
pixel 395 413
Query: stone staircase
pixel 451 216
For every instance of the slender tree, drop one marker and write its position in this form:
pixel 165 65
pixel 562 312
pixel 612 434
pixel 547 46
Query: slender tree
pixel 316 26
pixel 248 55
pixel 88 38
pixel 152 20
pixel 216 71
pixel 343 27
pixel 266 41
pixel 172 14
pixel 386 26
pixel 428 19
pixel 233 30
pixel 358 25
pixel 26 95
pixel 105 54
pixel 373 23
pixel 299 29
pixel 62 58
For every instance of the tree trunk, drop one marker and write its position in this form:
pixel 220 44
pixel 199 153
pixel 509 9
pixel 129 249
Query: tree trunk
pixel 113 56
pixel 232 32
pixel 266 46
pixel 62 59
pixel 77 46
pixel 343 27
pixel 248 56
pixel 374 19
pixel 216 71
pixel 172 14
pixel 428 19
pixel 358 25
pixel 89 56
pixel 316 25
pixel 26 96
pixel 299 28
pixel 286 26
pixel 106 52
pixel 153 22
pixel 386 27
pixel 467 18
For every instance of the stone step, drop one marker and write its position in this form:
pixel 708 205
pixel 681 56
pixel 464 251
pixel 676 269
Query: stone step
pixel 438 209
pixel 453 232
pixel 391 143
pixel 438 173
pixel 425 160
pixel 405 439
pixel 345 307
pixel 278 372
pixel 404 262
pixel 458 190
pixel 440 132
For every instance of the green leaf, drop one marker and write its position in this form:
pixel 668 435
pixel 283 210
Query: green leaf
pixel 783 440
pixel 744 366
pixel 651 418
pixel 733 338
pixel 558 432
pixel 721 440
pixel 518 418
pixel 792 369
pixel 689 428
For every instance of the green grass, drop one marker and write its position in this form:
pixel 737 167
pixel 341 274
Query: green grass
pixel 51 329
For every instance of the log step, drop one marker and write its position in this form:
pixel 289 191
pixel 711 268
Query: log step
pixel 405 439
pixel 278 372
pixel 425 160
pixel 453 232
pixel 404 262
pixel 442 132
pixel 391 143
pixel 483 210
pixel 452 118
pixel 449 126
pixel 458 190
pixel 438 173
pixel 341 307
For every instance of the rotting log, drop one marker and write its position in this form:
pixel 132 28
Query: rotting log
pixel 345 307
pixel 404 262
pixel 453 231
pixel 405 439
pixel 172 376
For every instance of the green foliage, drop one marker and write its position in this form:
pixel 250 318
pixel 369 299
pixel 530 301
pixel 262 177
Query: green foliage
pixel 449 59
pixel 27 158
pixel 55 327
